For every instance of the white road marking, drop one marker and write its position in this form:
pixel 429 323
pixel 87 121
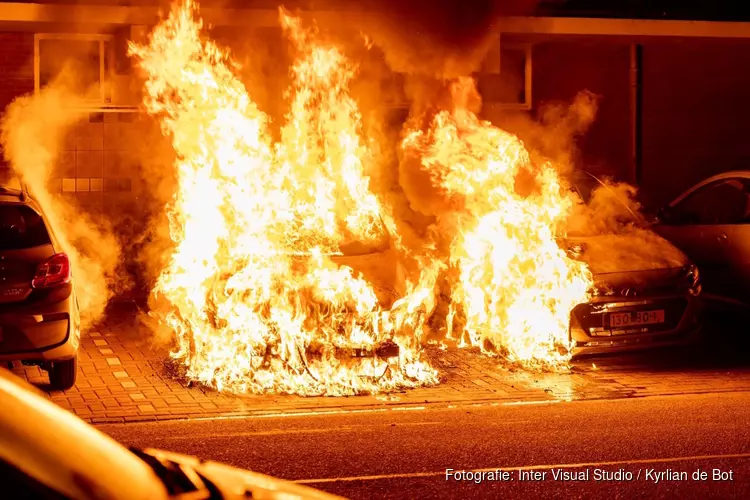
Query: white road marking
pixel 441 473
pixel 276 432
pixel 433 407
pixel 314 413
pixel 311 413
pixel 545 402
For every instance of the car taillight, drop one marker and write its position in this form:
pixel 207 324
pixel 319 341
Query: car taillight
pixel 54 271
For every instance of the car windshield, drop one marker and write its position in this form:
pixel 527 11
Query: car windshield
pixel 21 227
pixel 585 185
pixel 607 207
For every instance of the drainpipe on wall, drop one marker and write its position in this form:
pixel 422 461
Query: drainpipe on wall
pixel 636 113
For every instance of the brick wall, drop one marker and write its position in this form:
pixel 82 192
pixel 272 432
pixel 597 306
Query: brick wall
pixel 95 167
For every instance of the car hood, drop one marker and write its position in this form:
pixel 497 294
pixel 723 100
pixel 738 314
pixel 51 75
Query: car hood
pixel 633 251
pixel 639 262
pixel 240 483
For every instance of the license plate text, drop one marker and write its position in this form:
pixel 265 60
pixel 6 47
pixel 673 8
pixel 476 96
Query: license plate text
pixel 634 318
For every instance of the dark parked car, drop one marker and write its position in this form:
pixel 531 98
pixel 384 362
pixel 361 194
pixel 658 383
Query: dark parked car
pixel 710 222
pixel 47 452
pixel 648 293
pixel 39 317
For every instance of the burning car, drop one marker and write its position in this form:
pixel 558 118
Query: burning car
pixel 647 292
pixel 378 262
pixel 254 297
pixel 39 316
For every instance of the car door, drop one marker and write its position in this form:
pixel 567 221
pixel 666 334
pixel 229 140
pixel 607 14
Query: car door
pixel 710 226
pixel 738 247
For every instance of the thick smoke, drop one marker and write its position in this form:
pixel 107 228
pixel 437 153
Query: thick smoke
pixel 441 39
pixel 145 231
pixel 614 232
pixel 552 132
pixel 32 134
pixel 612 208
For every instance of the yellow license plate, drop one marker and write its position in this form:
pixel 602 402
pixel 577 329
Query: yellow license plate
pixel 634 318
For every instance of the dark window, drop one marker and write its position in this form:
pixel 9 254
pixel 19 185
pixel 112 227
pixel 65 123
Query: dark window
pixel 21 227
pixel 584 186
pixel 83 60
pixel 722 202
pixel 18 485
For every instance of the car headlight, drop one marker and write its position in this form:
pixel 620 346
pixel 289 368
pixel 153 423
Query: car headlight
pixel 692 279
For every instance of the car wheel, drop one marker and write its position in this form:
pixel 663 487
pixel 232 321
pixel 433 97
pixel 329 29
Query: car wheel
pixel 62 374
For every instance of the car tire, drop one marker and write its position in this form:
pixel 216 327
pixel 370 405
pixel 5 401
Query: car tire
pixel 62 374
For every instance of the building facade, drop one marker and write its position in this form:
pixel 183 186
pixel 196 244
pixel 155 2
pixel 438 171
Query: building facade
pixel 672 95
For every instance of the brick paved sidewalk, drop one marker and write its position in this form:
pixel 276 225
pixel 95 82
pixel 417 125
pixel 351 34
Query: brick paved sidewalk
pixel 123 379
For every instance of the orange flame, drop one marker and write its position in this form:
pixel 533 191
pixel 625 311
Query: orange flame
pixel 260 292
pixel 254 296
pixel 515 286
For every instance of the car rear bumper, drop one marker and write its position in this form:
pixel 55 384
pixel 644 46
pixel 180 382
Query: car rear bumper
pixel 46 331
pixel 683 321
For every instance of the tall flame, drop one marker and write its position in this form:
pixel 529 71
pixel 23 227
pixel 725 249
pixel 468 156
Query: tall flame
pixel 257 290
pixel 252 292
pixel 515 286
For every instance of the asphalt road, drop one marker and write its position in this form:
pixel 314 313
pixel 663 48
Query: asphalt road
pixel 628 448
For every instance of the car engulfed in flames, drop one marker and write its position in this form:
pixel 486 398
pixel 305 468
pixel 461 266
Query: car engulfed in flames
pixel 286 273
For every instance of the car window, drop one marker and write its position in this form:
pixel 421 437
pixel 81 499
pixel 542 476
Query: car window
pixel 584 187
pixel 722 202
pixel 18 485
pixel 21 227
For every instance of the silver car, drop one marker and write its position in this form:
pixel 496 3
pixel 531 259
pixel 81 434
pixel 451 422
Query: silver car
pixel 710 222
pixel 39 316
pixel 648 293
